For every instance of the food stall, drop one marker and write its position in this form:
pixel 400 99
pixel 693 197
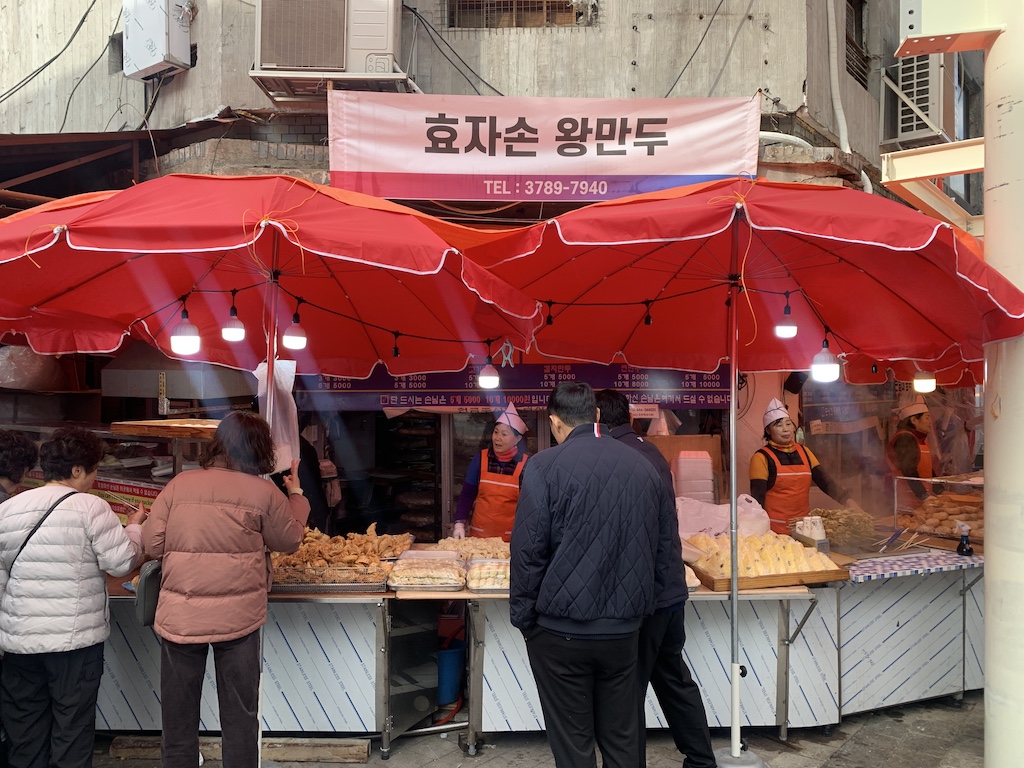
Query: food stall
pixel 899 629
pixel 813 653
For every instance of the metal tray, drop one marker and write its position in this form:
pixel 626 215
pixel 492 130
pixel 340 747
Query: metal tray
pixel 428 587
pixel 302 589
pixel 489 590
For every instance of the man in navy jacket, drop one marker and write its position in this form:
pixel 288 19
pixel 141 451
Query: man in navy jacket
pixel 589 544
pixel 660 661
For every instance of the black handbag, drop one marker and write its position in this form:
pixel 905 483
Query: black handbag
pixel 147 592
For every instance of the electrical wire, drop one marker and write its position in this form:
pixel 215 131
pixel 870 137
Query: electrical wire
pixel 699 44
pixel 446 56
pixel 430 28
pixel 465 212
pixel 67 107
pixel 35 73
pixel 145 122
pixel 152 103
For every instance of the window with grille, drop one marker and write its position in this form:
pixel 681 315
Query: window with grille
pixel 495 14
pixel 858 63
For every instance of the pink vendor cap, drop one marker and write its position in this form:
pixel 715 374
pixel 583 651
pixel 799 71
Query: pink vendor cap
pixel 511 417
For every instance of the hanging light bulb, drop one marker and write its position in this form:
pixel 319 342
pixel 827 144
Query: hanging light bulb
pixel 549 320
pixel 185 336
pixel 825 366
pixel 488 376
pixel 648 320
pixel 924 382
pixel 233 330
pixel 396 351
pixel 294 337
pixel 786 328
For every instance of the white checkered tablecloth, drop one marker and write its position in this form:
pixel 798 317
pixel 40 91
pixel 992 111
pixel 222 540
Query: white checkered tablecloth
pixel 935 561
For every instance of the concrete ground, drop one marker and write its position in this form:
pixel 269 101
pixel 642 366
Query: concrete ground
pixel 932 734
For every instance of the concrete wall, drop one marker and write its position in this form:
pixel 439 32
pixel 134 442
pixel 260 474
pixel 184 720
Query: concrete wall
pixel 33 31
pixel 635 49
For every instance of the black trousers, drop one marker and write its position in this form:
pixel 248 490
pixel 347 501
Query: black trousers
pixel 49 707
pixel 588 694
pixel 182 667
pixel 660 662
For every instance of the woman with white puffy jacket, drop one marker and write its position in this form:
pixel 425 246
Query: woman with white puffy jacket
pixel 53 602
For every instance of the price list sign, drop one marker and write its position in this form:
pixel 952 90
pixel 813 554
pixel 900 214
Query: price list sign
pixel 527 386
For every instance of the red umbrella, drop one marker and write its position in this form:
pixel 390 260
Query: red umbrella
pixel 692 277
pixel 646 280
pixel 369 280
pixel 953 372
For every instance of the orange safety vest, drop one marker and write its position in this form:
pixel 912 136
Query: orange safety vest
pixel 495 506
pixel 789 498
pixel 905 498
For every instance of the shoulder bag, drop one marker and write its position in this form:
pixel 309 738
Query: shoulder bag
pixel 36 526
pixel 147 592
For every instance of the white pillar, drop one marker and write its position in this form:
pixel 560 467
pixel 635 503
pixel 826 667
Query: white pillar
pixel 1004 396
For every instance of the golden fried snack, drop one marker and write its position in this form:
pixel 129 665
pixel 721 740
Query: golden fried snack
pixel 484 548
pixel 319 551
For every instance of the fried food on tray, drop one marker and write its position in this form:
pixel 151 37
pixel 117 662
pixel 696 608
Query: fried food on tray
pixel 845 527
pixel 492 548
pixel 488 575
pixel 319 550
pixel 427 572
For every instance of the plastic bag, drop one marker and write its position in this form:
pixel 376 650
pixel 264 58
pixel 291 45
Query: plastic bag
pixel 751 519
pixel 696 516
pixel 284 421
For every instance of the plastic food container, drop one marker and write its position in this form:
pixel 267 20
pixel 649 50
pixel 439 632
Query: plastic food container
pixel 488 575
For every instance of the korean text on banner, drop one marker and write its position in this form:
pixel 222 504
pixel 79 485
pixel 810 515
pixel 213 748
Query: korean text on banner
pixel 444 147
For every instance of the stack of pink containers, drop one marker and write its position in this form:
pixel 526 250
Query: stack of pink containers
pixel 693 476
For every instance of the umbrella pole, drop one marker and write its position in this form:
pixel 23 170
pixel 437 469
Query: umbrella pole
pixel 734 599
pixel 735 756
pixel 275 296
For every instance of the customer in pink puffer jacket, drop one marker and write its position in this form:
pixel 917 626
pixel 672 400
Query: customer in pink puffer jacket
pixel 213 528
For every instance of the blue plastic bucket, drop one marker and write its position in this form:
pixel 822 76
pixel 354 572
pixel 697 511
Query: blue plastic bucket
pixel 450 663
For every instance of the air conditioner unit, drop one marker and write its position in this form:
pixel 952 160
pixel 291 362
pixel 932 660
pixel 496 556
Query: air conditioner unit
pixel 331 37
pixel 928 82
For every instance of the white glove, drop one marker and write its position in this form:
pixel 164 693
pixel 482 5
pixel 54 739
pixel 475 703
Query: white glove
pixel 459 531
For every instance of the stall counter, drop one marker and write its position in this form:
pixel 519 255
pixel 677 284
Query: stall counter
pixel 332 663
pixel 904 628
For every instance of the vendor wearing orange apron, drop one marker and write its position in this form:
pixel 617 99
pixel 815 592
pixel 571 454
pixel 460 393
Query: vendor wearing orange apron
pixel 489 495
pixel 908 454
pixel 781 473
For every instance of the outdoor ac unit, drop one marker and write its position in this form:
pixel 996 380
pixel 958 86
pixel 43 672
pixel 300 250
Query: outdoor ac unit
pixel 928 82
pixel 353 37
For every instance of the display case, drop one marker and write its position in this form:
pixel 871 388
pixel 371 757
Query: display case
pixel 950 499
pixel 141 456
